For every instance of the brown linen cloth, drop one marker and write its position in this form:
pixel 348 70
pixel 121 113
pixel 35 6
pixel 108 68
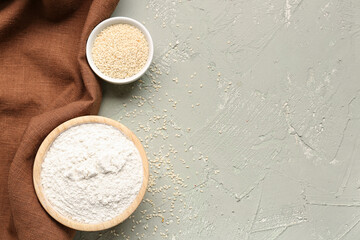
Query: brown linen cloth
pixel 44 81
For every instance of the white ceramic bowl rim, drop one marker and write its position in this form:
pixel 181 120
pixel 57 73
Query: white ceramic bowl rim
pixel 113 21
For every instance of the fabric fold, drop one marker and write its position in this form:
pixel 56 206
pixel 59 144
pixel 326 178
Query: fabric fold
pixel 45 81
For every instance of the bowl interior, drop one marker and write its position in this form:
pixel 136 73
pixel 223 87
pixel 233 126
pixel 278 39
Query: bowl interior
pixel 111 21
pixel 40 157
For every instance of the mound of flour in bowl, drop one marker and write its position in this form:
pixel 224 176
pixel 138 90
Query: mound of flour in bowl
pixel 91 173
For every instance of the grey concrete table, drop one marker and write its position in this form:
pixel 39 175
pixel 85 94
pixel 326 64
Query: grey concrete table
pixel 250 117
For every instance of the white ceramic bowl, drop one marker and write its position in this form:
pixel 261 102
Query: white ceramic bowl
pixel 109 22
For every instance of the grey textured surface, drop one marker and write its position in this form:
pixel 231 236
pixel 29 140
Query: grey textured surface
pixel 250 117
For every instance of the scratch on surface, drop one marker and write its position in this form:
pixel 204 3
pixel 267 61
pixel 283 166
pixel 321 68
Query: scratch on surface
pixel 256 213
pixel 288 216
pixel 274 233
pixel 308 150
pixel 348 230
pixel 249 190
pixel 328 200
pixel 222 186
pixel 344 130
pixel 299 137
pixel 278 233
pixel 333 204
pixel 347 173
pixel 351 161
pixel 278 226
pixel 341 141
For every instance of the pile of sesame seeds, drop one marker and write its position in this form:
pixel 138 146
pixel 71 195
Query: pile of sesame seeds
pixel 120 51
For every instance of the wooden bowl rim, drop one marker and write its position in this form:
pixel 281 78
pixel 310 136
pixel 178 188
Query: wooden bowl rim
pixel 40 157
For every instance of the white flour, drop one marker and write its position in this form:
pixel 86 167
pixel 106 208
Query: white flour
pixel 91 173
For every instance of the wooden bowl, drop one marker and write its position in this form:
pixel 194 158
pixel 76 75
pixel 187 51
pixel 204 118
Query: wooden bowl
pixel 40 157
